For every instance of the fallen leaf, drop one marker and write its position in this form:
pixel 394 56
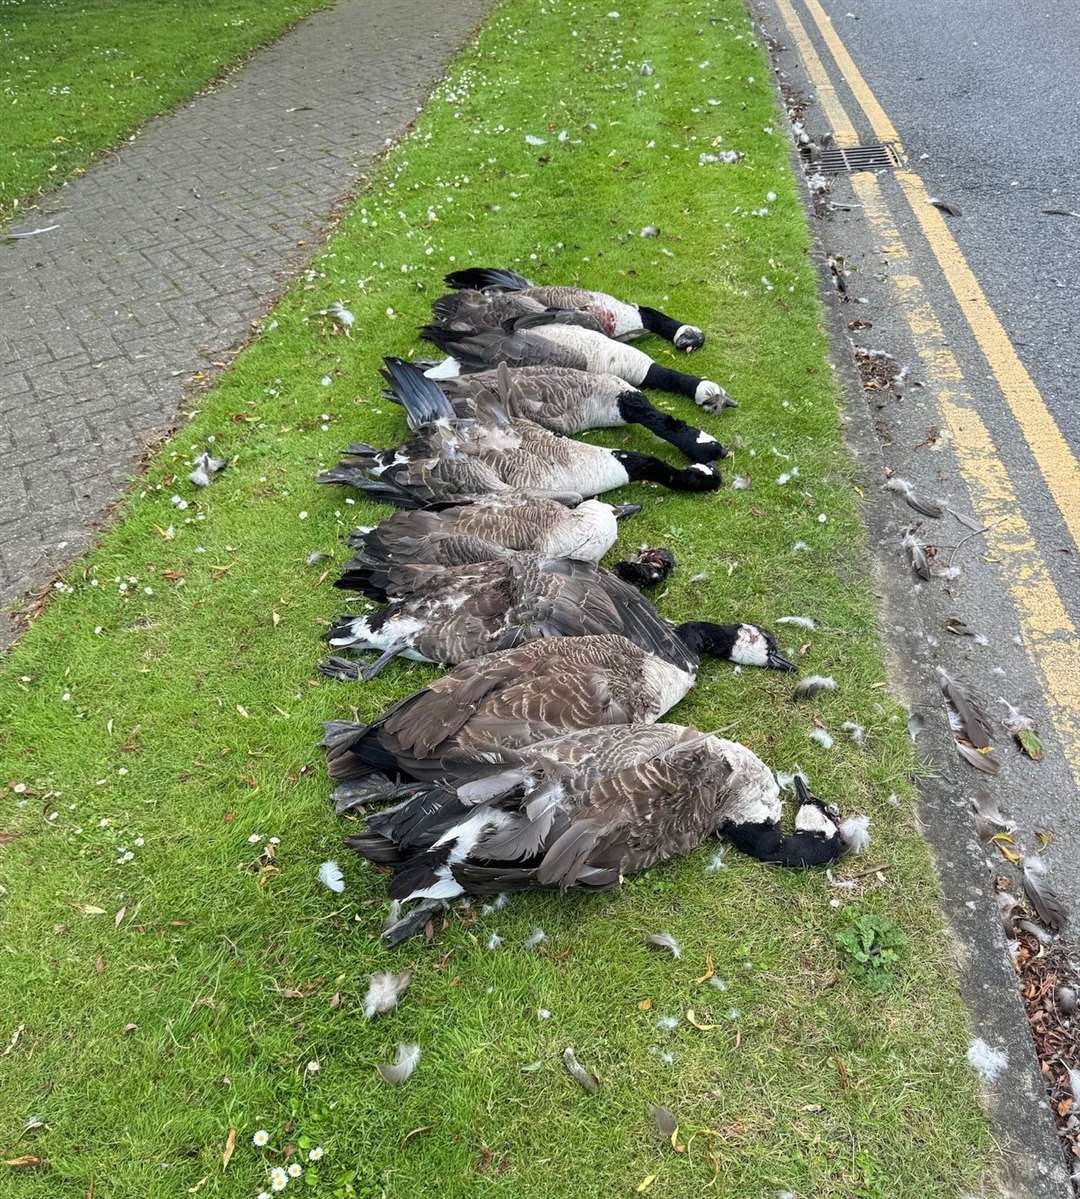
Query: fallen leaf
pixel 645 1183
pixel 230 1147
pixel 275 618
pixel 645 1005
pixel 27 1162
pixel 118 917
pixel 335 1000
pixel 709 970
pixel 414 1132
pixel 7 838
pixel 243 711
pixel 99 965
pixel 130 1028
pixel 198 1186
pixel 694 1021
pixel 1030 743
pixel 88 909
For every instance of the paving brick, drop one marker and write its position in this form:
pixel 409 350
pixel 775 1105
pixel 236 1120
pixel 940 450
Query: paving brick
pixel 167 250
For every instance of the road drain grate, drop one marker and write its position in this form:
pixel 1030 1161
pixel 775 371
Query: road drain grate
pixel 843 160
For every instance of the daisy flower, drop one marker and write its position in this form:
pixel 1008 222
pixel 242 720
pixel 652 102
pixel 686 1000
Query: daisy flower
pixel 263 1195
pixel 313 1067
pixel 279 1180
pixel 295 1170
pixel 315 1154
pixel 261 1138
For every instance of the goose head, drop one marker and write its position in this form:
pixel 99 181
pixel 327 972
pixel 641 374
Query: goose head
pixel 649 567
pixel 743 644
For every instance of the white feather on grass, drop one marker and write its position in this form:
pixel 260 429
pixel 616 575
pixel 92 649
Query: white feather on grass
pixel 855 833
pixel 500 901
pixel 812 684
pixel 384 991
pixel 331 877
pixel 822 738
pixel 536 937
pixel 205 468
pixel 804 622
pixel 408 1055
pixel 987 1062
pixel 342 315
pixel 716 862
pixel 786 782
pixel 664 941
pixel 856 732
pixel 494 941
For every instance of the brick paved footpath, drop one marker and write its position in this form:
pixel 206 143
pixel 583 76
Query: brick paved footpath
pixel 168 249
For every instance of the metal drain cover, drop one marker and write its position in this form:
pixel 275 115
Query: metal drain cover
pixel 841 160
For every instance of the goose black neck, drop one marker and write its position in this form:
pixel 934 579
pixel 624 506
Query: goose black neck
pixel 646 468
pixel 768 844
pixel 655 321
pixel 708 640
pixel 665 379
pixel 636 409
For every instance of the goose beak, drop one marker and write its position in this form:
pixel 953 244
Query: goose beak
pixel 623 510
pixel 777 661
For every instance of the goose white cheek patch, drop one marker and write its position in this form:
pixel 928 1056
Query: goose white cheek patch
pixel 751 648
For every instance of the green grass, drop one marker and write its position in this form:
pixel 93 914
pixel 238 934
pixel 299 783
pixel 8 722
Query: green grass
pixel 188 718
pixel 76 76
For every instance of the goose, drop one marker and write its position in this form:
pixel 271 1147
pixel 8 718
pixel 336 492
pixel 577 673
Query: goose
pixel 520 696
pixel 583 810
pixel 617 318
pixel 569 401
pixel 477 531
pixel 559 339
pixel 449 459
pixel 450 614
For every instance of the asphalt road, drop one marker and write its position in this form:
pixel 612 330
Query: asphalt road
pixel 988 90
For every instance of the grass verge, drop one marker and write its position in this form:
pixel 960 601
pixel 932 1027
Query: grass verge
pixel 76 76
pixel 163 712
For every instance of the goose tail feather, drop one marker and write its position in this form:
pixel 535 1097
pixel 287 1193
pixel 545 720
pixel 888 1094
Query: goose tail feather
pixel 423 401
pixel 480 278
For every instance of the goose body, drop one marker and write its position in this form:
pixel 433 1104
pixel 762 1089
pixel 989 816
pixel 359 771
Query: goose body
pixel 451 614
pixel 556 340
pixel 570 401
pixel 491 527
pixel 448 459
pixel 581 811
pixel 505 701
pixel 617 318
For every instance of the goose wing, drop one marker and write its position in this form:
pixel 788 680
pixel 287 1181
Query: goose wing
pixel 470 311
pixel 515 347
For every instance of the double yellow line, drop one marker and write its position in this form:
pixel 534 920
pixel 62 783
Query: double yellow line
pixel 1049 633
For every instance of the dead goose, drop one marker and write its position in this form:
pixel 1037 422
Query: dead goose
pixel 475 531
pixel 569 401
pixel 554 339
pixel 520 696
pixel 451 459
pixel 617 318
pixel 450 614
pixel 582 811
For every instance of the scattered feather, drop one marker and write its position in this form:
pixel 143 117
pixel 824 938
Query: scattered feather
pixel 974 724
pixel 315 557
pixel 664 941
pixel 30 232
pixel 786 782
pixel 384 991
pixel 822 738
pixel 913 499
pixel 958 627
pixel 945 206
pixel 205 468
pixel 741 483
pixel 649 231
pixel 917 557
pixel 804 622
pixel 1024 732
pixel 800 545
pixel 1065 997
pixel 393 915
pixel 812 684
pixel 646 70
pixel 915 724
pixel 855 833
pixel 717 983
pixel 331 877
pixel 536 937
pixel 666 1124
pixel 532 140
pixel 842 884
pixel 667 1023
pixel 342 315
pixel 1074 1081
pixel 584 1078
pixel 494 941
pixel 408 1055
pixel 716 862
pixel 500 901
pixel 989 819
pixel 856 732
pixel 983 760
pixel 1045 902
pixel 987 1062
